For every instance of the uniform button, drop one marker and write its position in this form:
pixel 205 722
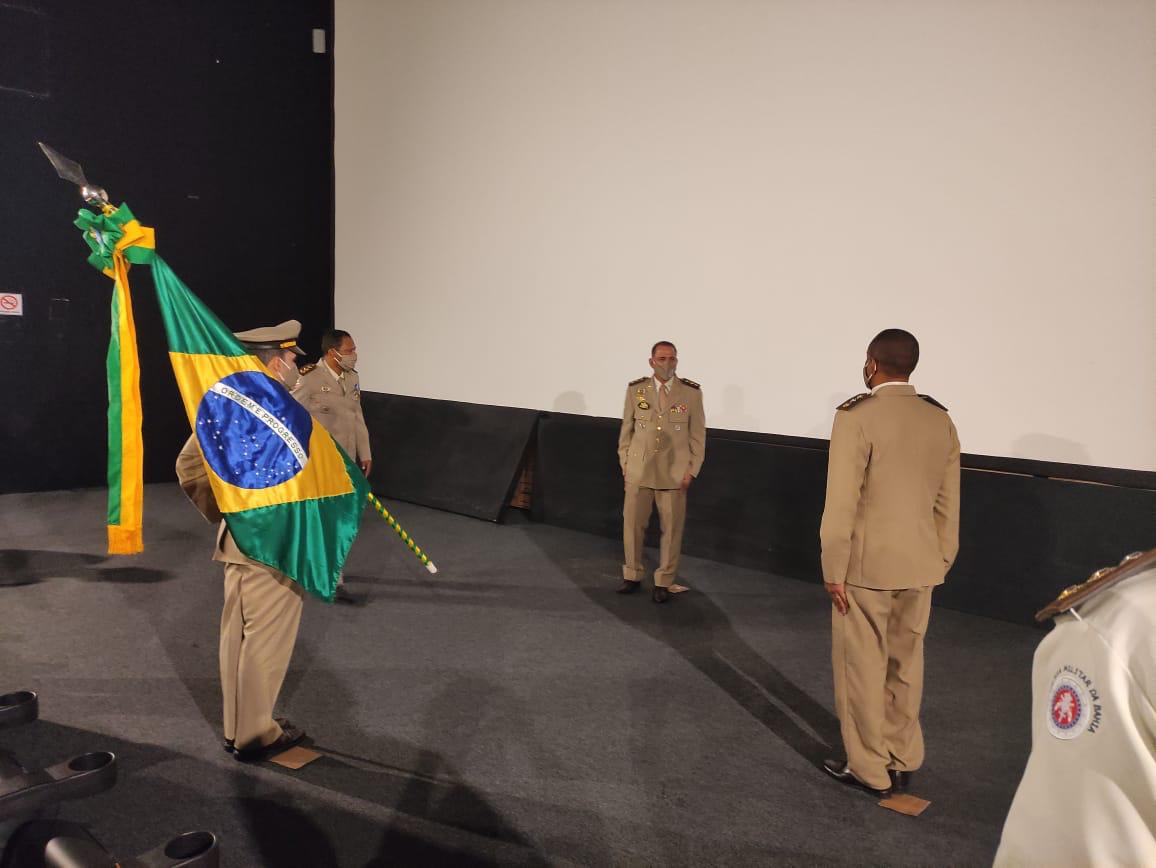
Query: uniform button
pixel 659 427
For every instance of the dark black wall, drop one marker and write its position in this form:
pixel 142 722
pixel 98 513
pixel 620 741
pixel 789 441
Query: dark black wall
pixel 214 121
pixel 758 503
pixel 759 499
pixel 451 455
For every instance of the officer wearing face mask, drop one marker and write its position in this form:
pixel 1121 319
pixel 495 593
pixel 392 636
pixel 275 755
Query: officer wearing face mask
pixel 331 392
pixel 890 533
pixel 661 447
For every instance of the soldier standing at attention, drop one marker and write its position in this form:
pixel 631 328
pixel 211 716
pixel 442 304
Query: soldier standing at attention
pixel 262 608
pixel 890 533
pixel 331 392
pixel 661 446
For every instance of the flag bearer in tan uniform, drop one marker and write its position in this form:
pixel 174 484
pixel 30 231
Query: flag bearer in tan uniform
pixel 660 448
pixel 890 533
pixel 262 607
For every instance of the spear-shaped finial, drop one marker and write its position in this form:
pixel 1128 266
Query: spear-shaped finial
pixel 70 170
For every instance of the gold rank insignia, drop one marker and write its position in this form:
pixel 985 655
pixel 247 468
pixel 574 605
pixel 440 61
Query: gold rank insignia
pixel 853 401
pixel 1098 581
pixel 642 404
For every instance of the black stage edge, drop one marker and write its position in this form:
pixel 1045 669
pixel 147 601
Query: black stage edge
pixel 462 458
pixel 1120 477
pixel 758 504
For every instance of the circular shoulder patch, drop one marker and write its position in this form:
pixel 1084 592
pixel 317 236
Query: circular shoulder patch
pixel 252 432
pixel 1069 707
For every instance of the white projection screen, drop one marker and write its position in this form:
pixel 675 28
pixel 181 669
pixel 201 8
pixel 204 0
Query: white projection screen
pixel 529 193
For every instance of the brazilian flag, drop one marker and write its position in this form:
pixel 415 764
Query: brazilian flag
pixel 290 495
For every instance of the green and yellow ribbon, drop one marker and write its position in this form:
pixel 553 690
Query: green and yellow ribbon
pixel 117 240
pixel 405 537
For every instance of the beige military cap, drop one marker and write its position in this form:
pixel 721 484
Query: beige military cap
pixel 278 337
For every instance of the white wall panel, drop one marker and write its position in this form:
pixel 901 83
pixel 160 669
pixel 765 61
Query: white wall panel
pixel 530 193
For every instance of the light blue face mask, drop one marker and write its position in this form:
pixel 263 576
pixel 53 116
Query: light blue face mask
pixel 289 374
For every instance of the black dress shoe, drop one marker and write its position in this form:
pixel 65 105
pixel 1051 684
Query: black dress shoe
pixel 900 781
pixel 839 771
pixel 229 746
pixel 628 587
pixel 290 735
pixel 660 595
pixel 343 596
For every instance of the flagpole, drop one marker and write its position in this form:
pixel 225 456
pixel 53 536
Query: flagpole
pixel 405 537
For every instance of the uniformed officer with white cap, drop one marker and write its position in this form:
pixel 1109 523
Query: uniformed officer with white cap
pixel 1088 794
pixel 262 607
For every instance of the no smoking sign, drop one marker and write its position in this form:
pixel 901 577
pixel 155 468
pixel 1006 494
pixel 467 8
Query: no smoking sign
pixel 11 304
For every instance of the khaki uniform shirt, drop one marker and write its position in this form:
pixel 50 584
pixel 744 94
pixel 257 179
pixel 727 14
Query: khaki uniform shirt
pixel 1088 794
pixel 194 479
pixel 655 449
pixel 891 518
pixel 335 402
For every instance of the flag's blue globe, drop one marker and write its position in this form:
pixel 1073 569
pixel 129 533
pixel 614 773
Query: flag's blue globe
pixel 252 432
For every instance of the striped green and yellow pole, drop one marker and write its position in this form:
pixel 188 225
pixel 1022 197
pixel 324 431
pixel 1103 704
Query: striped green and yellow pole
pixel 405 537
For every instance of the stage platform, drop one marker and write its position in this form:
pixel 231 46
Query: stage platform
pixel 512 709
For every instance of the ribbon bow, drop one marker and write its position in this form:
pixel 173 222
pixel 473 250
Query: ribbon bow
pixel 115 234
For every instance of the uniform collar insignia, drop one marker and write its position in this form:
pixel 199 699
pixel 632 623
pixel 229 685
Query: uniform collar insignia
pixel 1098 581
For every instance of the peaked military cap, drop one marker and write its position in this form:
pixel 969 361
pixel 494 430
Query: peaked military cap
pixel 278 337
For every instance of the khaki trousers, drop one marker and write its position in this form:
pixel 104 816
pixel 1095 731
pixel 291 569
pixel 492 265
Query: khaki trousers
pixel 258 628
pixel 877 658
pixel 636 516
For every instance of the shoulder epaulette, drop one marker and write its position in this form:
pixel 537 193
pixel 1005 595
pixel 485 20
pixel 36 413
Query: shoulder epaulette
pixel 853 400
pixel 308 368
pixel 933 402
pixel 1098 581
pixel 639 380
pixel 690 383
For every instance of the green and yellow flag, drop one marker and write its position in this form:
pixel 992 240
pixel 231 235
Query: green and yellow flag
pixel 291 497
pixel 116 240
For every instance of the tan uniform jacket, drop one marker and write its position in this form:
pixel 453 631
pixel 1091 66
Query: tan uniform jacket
pixel 194 481
pixel 891 519
pixel 653 451
pixel 335 402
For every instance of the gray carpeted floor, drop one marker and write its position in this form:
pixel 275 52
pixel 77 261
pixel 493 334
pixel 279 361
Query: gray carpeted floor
pixel 511 709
